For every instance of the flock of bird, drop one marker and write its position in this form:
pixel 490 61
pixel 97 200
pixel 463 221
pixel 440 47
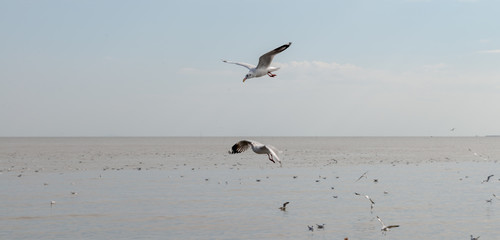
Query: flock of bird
pixel 272 154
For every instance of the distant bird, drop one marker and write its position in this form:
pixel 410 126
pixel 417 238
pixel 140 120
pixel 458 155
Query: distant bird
pixel 384 227
pixel 311 228
pixel 284 206
pixel 474 238
pixel 496 196
pixel 264 65
pixel 52 203
pixel 320 226
pixel 489 200
pixel 452 129
pixel 372 203
pixel 487 178
pixel 258 148
pixel 363 175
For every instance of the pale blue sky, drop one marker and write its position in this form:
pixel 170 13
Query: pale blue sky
pixel 153 68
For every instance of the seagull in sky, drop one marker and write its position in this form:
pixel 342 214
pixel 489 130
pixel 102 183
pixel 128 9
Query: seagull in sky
pixel 384 227
pixel 259 148
pixel 264 65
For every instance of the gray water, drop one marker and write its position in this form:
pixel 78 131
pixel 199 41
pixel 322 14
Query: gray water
pixel 191 188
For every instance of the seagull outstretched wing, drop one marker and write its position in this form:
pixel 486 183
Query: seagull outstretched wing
pixel 247 65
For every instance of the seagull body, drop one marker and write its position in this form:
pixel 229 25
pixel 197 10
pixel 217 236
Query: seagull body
pixel 258 148
pixel 474 238
pixel 384 227
pixel 264 65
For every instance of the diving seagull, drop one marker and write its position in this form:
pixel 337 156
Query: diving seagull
pixel 259 148
pixel 264 65
pixel 384 227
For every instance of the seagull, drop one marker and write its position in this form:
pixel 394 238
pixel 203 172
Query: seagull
pixel 367 197
pixel 264 65
pixel 258 148
pixel 487 178
pixel 384 227
pixel 474 238
pixel 311 228
pixel 284 206
pixel 364 175
pixel 320 226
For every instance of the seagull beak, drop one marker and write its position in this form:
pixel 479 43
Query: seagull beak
pixel 244 79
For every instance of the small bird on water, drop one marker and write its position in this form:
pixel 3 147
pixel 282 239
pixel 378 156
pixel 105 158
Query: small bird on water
pixel 284 206
pixel 322 226
pixel 311 228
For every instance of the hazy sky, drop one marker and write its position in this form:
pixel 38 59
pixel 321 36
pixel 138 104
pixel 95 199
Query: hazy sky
pixel 153 68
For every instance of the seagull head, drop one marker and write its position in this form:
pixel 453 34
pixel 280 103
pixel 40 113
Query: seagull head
pixel 249 75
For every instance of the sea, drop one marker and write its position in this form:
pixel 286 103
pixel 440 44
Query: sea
pixel 192 188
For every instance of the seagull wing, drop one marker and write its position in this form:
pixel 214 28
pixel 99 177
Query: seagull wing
pixel 266 59
pixel 240 146
pixel 368 197
pixel 249 66
pixel 380 220
pixel 392 226
pixel 273 151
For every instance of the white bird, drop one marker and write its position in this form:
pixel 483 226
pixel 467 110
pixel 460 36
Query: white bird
pixel 258 148
pixel 384 227
pixel 264 65
pixel 367 197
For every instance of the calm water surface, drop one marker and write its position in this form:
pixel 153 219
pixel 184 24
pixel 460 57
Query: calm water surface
pixel 190 188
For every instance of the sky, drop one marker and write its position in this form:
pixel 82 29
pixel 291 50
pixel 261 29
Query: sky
pixel 153 68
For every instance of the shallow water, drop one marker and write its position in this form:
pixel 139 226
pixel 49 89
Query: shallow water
pixel 190 188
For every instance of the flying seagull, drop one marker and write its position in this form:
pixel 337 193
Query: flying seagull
pixel 258 148
pixel 284 206
pixel 264 65
pixel 384 227
pixel 372 203
pixel 364 175
pixel 474 238
pixel 487 178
